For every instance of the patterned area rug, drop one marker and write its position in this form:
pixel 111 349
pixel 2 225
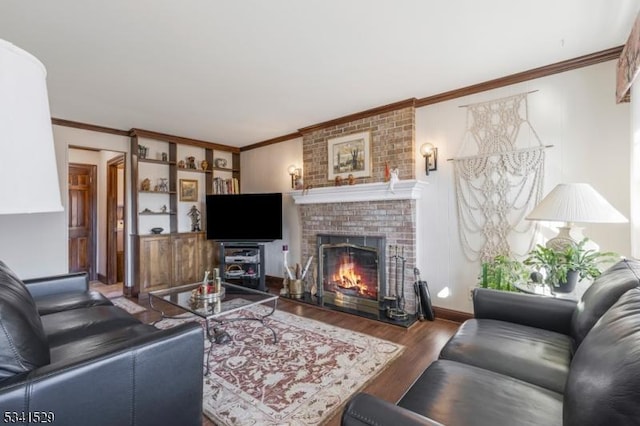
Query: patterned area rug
pixel 303 379
pixel 127 305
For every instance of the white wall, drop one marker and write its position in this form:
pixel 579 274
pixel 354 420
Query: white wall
pixel 37 245
pixel 34 245
pixel 576 112
pixel 265 170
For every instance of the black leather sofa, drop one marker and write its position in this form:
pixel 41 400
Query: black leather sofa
pixel 530 360
pixel 68 356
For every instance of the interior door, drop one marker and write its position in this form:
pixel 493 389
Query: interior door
pixel 115 220
pixel 82 219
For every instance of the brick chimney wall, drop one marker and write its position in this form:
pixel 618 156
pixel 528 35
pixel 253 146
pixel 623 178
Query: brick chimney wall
pixel 392 142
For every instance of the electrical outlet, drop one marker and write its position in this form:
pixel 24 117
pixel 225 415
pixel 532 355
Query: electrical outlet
pixel 471 293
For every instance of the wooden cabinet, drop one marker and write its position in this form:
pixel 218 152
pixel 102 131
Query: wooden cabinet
pixel 154 267
pixel 169 176
pixel 172 259
pixel 186 258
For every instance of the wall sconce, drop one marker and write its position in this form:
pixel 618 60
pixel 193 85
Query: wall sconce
pixel 430 154
pixel 295 173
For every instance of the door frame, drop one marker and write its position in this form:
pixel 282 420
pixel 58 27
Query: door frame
pixel 93 222
pixel 112 217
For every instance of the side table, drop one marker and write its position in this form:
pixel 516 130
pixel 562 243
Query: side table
pixel 542 290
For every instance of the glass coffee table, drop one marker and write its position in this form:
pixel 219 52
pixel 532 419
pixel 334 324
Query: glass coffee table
pixel 212 308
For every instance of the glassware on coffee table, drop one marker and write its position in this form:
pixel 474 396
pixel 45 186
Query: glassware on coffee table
pixel 212 306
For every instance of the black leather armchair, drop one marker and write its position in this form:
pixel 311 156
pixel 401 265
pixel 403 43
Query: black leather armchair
pixel 69 353
pixel 530 360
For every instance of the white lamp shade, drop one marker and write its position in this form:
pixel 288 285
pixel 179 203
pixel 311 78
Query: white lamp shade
pixel 28 174
pixel 576 202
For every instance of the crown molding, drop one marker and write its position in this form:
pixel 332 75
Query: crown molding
pixel 272 141
pixel 411 102
pixel 558 67
pixel 85 126
pixel 141 133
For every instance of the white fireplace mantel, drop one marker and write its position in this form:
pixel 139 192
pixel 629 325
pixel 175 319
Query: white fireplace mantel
pixel 379 191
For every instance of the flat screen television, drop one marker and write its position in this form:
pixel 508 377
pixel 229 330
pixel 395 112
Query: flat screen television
pixel 244 217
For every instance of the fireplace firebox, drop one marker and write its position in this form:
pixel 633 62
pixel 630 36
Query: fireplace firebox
pixel 352 271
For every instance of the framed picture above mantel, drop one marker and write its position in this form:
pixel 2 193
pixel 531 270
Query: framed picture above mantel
pixel 349 155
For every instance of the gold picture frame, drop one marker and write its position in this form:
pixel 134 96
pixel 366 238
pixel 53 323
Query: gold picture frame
pixel 188 190
pixel 349 155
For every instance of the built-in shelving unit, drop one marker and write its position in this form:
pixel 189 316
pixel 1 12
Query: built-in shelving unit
pixel 178 255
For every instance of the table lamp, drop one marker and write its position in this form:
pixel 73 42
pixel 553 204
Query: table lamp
pixel 28 175
pixel 574 203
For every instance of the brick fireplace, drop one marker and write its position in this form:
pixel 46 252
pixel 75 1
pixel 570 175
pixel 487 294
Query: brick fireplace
pixel 369 208
pixel 365 210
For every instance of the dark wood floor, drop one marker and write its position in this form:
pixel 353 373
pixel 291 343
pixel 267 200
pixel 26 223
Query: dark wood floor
pixel 423 342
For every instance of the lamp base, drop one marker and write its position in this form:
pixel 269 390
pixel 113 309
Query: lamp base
pixel 569 235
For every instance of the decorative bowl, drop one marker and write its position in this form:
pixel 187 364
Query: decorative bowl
pixel 157 230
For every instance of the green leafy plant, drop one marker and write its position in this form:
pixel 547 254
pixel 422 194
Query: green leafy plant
pixel 502 273
pixel 558 264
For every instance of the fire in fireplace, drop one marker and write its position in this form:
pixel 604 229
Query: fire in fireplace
pixel 352 271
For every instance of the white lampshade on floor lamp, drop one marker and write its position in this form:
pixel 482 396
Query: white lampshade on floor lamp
pixel 28 174
pixel 574 203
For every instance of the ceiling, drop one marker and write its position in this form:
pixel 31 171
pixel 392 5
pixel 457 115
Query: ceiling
pixel 244 71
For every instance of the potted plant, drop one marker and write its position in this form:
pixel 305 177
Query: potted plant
pixel 563 269
pixel 501 273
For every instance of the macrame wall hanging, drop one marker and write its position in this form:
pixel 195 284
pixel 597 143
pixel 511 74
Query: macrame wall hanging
pixel 498 179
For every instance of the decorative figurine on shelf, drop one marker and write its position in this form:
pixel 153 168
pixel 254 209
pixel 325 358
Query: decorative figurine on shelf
pixel 146 185
pixel 338 181
pixel 194 213
pixel 306 188
pixel 163 186
pixel 387 172
pixel 164 156
pixel 191 162
pixel 142 151
pixel 351 179
pixel 181 164
pixel 163 209
pixel 204 165
pixel 394 178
